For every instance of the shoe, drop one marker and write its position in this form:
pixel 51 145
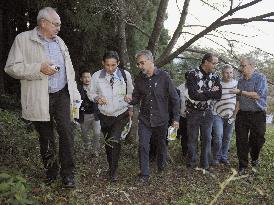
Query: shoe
pixel 68 182
pixel 142 179
pixel 209 169
pixel 225 162
pixel 255 163
pixel 215 163
pixel 114 177
pixel 191 166
pixel 242 171
pixel 50 179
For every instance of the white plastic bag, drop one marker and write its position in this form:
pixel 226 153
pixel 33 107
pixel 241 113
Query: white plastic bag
pixel 126 130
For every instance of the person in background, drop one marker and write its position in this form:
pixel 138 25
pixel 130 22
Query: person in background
pixel 250 124
pixel 182 131
pixel 153 89
pixel 40 60
pixel 89 118
pixel 223 122
pixel 108 88
pixel 203 86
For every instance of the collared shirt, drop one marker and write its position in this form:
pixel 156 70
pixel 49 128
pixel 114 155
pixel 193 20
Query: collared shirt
pixel 199 95
pixel 155 93
pixel 53 51
pixel 100 87
pixel 257 83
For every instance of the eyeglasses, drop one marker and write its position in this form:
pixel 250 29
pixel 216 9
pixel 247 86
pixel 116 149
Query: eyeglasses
pixel 53 23
pixel 141 63
pixel 214 63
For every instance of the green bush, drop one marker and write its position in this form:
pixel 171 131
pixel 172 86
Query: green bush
pixel 14 190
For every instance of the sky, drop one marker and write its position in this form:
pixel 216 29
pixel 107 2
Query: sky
pixel 258 34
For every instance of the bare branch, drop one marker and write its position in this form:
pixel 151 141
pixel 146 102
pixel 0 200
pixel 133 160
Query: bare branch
pixel 233 33
pixel 195 26
pixel 178 30
pixel 218 23
pixel 178 6
pixel 213 7
pixel 158 25
pixel 263 17
pixel 231 4
pixel 138 28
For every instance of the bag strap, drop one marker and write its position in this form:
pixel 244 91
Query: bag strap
pixel 124 76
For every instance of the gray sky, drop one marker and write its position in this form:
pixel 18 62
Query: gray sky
pixel 258 34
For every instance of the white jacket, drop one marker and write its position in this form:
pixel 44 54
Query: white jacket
pixel 100 87
pixel 24 63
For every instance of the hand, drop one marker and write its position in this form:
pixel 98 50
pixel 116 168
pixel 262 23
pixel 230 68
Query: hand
pixel 127 98
pixel 47 69
pixel 215 88
pixel 102 100
pixel 234 91
pixel 175 124
pixel 231 120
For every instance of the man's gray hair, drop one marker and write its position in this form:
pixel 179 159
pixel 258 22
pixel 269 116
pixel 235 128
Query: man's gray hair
pixel 146 53
pixel 250 60
pixel 225 67
pixel 44 13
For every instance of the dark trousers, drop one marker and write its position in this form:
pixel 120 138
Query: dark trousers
pixel 59 108
pixel 182 133
pixel 145 134
pixel 250 128
pixel 112 128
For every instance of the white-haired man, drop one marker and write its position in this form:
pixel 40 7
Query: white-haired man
pixel 41 61
pixel 250 120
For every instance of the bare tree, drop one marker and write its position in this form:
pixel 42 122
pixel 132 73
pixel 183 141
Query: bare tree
pixel 178 30
pixel 122 34
pixel 158 25
pixel 225 19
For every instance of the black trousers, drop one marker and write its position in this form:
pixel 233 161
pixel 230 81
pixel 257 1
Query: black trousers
pixel 250 129
pixel 112 128
pixel 182 133
pixel 59 108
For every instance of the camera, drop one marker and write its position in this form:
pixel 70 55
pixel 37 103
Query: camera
pixel 55 67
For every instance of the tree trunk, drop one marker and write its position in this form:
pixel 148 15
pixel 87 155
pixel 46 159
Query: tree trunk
pixel 158 25
pixel 2 63
pixel 177 32
pixel 124 59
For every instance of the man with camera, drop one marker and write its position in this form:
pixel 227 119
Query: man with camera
pixel 40 60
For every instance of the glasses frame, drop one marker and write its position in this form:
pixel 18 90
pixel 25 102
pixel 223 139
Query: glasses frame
pixel 54 24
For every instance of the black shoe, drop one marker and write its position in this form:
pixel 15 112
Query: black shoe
pixel 50 179
pixel 242 171
pixel 255 163
pixel 209 170
pixel 191 166
pixel 114 177
pixel 143 180
pixel 225 162
pixel 68 182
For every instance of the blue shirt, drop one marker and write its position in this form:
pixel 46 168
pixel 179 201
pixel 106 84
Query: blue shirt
pixel 54 53
pixel 257 83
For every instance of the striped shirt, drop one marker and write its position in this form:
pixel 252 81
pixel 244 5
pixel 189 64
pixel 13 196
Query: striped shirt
pixel 226 105
pixel 55 55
